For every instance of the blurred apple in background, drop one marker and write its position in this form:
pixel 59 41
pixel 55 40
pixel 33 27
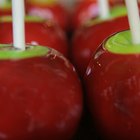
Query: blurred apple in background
pixel 38 32
pixel 50 10
pixel 83 12
pixel 88 9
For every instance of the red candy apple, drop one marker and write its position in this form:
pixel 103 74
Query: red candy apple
pixel 88 38
pixel 49 9
pixel 38 31
pixel 88 9
pixel 40 95
pixel 113 87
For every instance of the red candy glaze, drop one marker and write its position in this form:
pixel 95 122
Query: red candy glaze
pixel 87 39
pixel 42 33
pixel 4 12
pixel 112 83
pixel 54 12
pixel 40 98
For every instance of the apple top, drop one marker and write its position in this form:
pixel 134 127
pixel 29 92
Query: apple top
pixel 9 52
pixel 27 19
pixel 42 2
pixel 115 12
pixel 121 43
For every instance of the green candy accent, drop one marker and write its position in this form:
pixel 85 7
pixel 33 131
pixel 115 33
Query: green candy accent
pixel 118 11
pixel 7 52
pixel 121 43
pixel 43 2
pixel 115 12
pixel 6 5
pixel 27 18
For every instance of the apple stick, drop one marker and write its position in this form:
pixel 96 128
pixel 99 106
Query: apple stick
pixel 18 11
pixel 134 20
pixel 104 11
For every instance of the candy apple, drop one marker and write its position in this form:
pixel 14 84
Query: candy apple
pixel 48 9
pixel 40 95
pixel 88 9
pixel 88 38
pixel 38 31
pixel 5 7
pixel 112 83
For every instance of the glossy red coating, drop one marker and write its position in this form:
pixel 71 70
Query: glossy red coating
pixel 88 38
pixel 40 98
pixel 42 33
pixel 56 13
pixel 113 92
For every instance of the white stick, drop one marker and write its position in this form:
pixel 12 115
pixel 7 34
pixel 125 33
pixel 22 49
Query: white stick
pixel 18 24
pixel 134 20
pixel 103 9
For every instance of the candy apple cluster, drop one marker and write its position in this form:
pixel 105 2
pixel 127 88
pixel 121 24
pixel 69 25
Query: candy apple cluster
pixel 41 97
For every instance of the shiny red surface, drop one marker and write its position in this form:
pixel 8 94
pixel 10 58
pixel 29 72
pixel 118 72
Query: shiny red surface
pixel 113 87
pixel 87 39
pixel 43 33
pixel 55 13
pixel 40 98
